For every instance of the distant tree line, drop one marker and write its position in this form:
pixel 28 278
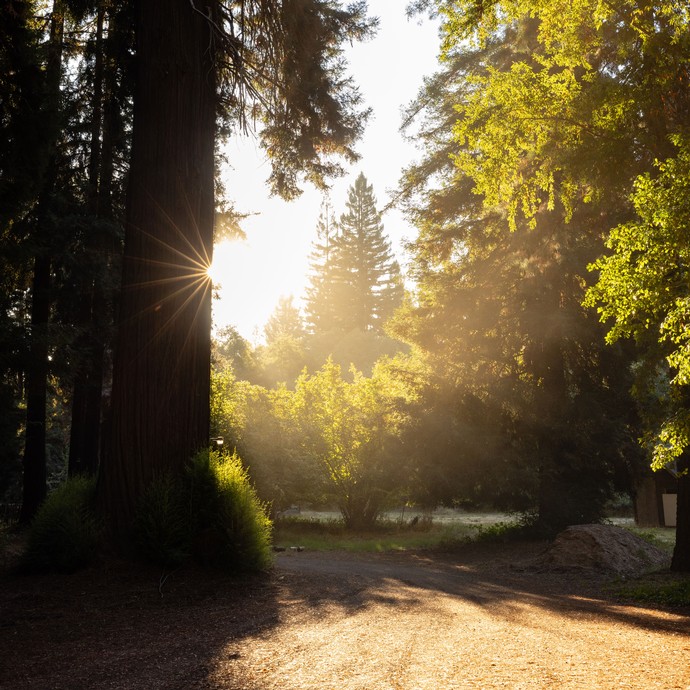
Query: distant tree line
pixel 355 286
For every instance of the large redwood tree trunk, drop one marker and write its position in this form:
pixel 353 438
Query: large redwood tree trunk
pixel 160 398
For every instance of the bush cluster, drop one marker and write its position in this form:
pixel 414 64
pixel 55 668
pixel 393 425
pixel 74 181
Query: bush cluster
pixel 65 534
pixel 211 514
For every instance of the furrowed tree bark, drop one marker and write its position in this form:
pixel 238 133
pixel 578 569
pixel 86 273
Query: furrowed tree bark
pixel 160 399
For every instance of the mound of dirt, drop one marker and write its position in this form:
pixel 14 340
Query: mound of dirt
pixel 603 548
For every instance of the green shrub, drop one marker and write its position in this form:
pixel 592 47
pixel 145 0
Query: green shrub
pixel 234 530
pixel 65 534
pixel 162 526
pixel 502 532
pixel 212 513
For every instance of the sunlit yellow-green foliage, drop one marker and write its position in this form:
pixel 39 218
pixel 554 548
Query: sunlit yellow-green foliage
pixel 333 438
pixel 258 423
pixel 517 110
pixel 241 517
pixel 570 29
pixel 644 289
pixel 229 401
pixel 351 428
pixel 572 81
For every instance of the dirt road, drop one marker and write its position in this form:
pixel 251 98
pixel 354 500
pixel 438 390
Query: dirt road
pixel 478 619
pixel 433 624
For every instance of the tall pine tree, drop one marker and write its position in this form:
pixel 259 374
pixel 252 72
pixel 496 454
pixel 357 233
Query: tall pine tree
pixel 320 303
pixel 501 278
pixel 285 322
pixel 42 223
pixel 358 285
pixel 366 275
pixel 25 148
pixel 62 167
pixel 577 124
pixel 283 356
pixel 105 85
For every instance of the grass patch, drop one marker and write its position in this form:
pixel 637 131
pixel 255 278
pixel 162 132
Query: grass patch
pixel 503 532
pixel 661 537
pixel 330 534
pixel 665 588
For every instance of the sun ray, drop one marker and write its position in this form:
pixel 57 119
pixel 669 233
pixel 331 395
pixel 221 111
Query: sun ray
pixel 201 259
pixel 188 280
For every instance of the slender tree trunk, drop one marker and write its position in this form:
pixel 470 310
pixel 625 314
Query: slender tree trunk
pixel 552 493
pixel 87 402
pixel 161 376
pixel 34 470
pixel 96 316
pixel 681 551
pixel 34 463
pixel 86 393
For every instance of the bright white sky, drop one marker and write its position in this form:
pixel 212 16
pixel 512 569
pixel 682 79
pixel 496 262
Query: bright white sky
pixel 273 260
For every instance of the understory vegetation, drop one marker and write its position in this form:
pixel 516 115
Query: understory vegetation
pixel 66 534
pixel 667 590
pixel 211 515
pixel 411 529
pixel 387 534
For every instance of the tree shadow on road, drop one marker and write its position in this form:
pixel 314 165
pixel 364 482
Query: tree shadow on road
pixel 503 578
pixel 122 626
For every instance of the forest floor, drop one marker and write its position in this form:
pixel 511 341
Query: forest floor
pixel 481 617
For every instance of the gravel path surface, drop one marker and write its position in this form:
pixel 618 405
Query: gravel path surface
pixel 482 618
pixel 430 624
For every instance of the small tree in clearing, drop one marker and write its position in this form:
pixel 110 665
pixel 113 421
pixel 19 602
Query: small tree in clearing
pixel 349 430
